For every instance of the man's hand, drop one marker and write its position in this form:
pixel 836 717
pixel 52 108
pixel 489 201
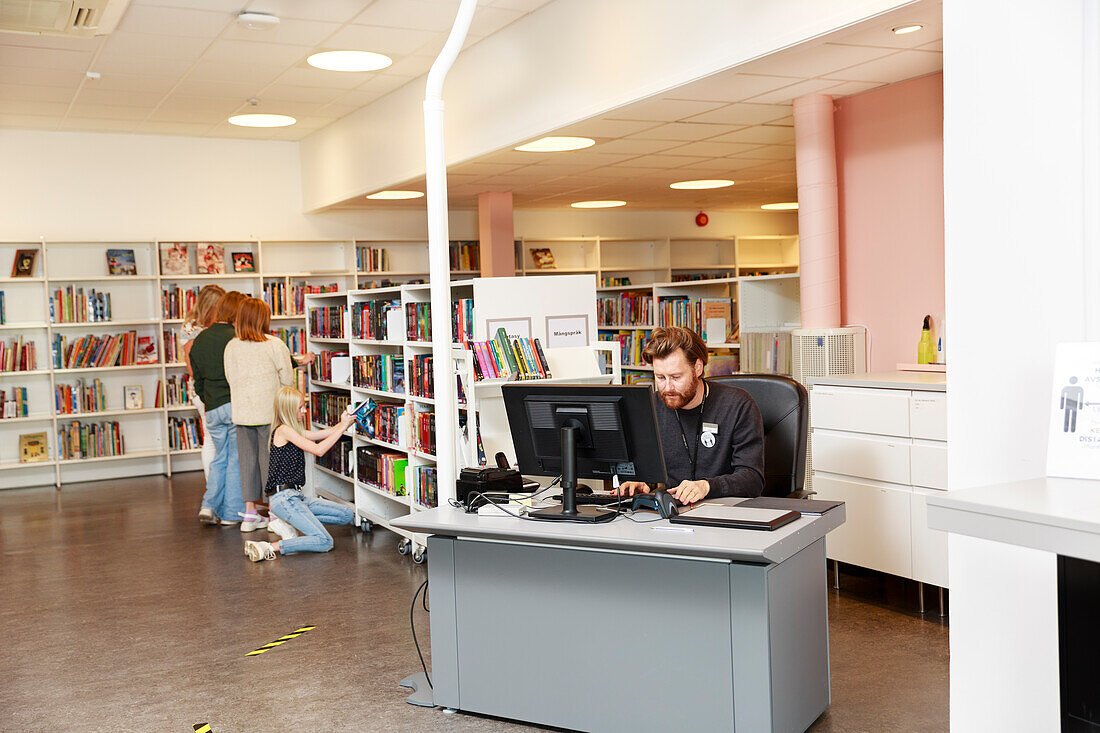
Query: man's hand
pixel 304 359
pixel 629 488
pixel 690 492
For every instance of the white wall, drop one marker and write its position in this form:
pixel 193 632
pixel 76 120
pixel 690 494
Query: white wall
pixel 567 61
pixel 94 186
pixel 1016 259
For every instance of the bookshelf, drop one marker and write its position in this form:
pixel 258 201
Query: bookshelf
pixel 384 345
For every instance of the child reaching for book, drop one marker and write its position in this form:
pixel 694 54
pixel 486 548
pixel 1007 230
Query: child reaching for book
pixel 294 512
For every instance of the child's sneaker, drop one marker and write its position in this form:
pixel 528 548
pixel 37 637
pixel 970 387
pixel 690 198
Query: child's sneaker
pixel 258 551
pixel 207 516
pixel 281 527
pixel 252 522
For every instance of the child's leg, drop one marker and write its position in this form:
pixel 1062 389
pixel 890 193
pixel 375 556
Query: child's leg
pixel 291 507
pixel 329 512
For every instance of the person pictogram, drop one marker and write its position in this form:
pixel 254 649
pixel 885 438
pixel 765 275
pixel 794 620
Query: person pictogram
pixel 1072 399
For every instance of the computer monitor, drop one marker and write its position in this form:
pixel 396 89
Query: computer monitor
pixel 584 431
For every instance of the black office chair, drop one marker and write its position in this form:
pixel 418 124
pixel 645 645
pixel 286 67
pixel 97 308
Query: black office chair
pixel 785 410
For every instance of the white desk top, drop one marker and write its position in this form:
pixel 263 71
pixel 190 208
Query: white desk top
pixel 741 545
pixel 1055 514
pixel 928 381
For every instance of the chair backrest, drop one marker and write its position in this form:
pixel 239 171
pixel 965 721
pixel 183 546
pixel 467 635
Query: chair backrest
pixel 784 408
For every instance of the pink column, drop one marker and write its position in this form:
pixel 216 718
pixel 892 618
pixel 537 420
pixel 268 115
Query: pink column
pixel 818 227
pixel 496 235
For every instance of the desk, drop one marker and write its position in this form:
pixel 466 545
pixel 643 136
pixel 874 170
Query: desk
pixel 728 628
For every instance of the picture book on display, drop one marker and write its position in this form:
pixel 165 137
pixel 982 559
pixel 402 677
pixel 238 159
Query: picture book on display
pixel 33 448
pixel 544 258
pixel 210 258
pixel 121 262
pixel 146 350
pixel 175 258
pixel 242 262
pixel 23 264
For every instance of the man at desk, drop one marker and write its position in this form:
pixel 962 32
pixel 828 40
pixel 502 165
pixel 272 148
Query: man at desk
pixel 712 434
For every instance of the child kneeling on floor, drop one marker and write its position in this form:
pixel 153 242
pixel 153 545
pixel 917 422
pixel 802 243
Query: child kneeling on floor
pixel 287 474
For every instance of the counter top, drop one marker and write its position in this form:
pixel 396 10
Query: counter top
pixel 1058 515
pixel 645 535
pixel 927 381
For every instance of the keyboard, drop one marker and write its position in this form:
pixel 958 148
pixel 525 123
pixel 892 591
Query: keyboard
pixel 599 500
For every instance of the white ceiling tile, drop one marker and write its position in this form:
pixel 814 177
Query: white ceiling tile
pixel 40 77
pixel 64 43
pixel 212 105
pixel 53 109
pixel 709 149
pixel 29 122
pixel 107 112
pixel 32 93
pixel 382 84
pixel 605 128
pixel 129 46
pixel 411 66
pixel 769 152
pixel 91 94
pixel 505 156
pixel 681 131
pixel 787 121
pixel 95 124
pixel 288 93
pixel 433 47
pixel 659 161
pixel 729 86
pixel 336 11
pixel 419 14
pixel 526 6
pixel 897 67
pixel 246 52
pixel 662 110
pixel 878 31
pixel 636 146
pixel 245 72
pixel 289 30
pixel 933 46
pixel 744 113
pixel 175 21
pixel 631 172
pixel 760 135
pixel 172 68
pixel 356 98
pixel 786 95
pixel 238 90
pixel 294 109
pixel 848 88
pixel 305 75
pixel 153 127
pixel 489 20
pixel 221 6
pixel 51 58
pixel 389 41
pixel 484 169
pixel 181 114
pixel 814 59
pixel 596 155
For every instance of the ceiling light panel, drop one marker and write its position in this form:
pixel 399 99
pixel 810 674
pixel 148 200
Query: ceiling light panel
pixel 605 204
pixel 395 195
pixel 701 184
pixel 261 120
pixel 349 61
pixel 556 144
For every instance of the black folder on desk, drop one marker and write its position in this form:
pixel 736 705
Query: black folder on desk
pixel 802 506
pixel 736 517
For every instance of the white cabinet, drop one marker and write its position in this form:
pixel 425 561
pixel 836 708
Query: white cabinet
pixel 882 449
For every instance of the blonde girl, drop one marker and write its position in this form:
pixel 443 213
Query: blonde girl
pixel 294 512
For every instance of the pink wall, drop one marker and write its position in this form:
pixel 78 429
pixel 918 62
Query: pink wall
pixel 889 150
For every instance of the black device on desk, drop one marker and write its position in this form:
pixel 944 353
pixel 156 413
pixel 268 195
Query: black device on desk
pixel 584 431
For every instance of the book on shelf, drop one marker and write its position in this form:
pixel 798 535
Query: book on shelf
pixel 338 458
pixel 175 258
pixel 388 424
pixel 294 337
pixel 97 351
pixel 722 365
pixel 371 259
pixel 325 408
pixel 296 303
pixel 543 259
pixel 766 351
pixel 243 262
pixel 14 403
pixel 424 432
pixel 371 320
pixel 384 470
pixel 631 345
pixel 18 355
pixel 421 376
pixel 322 367
pixel 684 277
pixel 384 372
pixel 418 321
pixel 426 486
pixel 716 318
pixel 614 282
pixel 184 433
pixel 81 396
pixel 121 262
pixel 327 321
pixel 33 448
pixel 90 440
pixel 71 305
pixel 146 352
pixel 3 310
pixel 177 390
pixel 681 310
pixel 22 264
pixel 133 397
pixel 624 309
pixel 176 301
pixel 172 351
pixel 465 255
pixel 209 258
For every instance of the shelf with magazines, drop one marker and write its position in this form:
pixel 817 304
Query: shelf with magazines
pixel 94 290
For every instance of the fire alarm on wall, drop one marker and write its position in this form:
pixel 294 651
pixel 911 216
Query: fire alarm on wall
pixel 701 219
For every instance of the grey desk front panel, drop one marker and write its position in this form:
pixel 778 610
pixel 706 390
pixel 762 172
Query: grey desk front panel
pixel 523 655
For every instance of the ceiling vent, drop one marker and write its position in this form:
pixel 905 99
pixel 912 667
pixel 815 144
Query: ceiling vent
pixel 83 18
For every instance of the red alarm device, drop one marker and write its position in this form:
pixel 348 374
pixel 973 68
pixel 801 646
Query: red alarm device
pixel 701 219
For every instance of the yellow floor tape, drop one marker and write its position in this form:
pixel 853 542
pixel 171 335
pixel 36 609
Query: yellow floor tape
pixel 202 728
pixel 280 640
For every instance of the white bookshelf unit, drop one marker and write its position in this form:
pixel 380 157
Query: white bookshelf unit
pixel 136 305
pixel 493 299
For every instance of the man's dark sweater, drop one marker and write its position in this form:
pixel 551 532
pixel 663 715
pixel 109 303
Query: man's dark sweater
pixel 734 465
pixel 208 365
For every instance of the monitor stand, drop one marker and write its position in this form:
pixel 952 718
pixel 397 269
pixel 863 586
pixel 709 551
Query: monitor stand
pixel 569 511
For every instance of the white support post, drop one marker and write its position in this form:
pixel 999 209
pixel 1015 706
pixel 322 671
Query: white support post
pixel 438 260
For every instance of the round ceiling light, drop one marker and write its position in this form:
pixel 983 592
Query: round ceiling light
pixel 597 204
pixel 901 30
pixel 349 61
pixel 395 195
pixel 702 183
pixel 556 144
pixel 262 120
pixel 787 206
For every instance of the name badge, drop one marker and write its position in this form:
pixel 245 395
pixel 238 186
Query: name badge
pixel 707 438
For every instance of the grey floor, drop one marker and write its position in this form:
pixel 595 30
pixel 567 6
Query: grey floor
pixel 121 612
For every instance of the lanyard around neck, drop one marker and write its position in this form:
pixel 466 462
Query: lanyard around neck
pixel 693 456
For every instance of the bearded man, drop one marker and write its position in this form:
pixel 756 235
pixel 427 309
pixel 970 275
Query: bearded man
pixel 712 434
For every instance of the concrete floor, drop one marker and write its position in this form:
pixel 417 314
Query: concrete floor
pixel 121 612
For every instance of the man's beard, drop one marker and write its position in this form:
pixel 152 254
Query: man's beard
pixel 676 400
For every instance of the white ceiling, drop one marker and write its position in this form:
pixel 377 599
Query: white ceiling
pixel 735 125
pixel 181 67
